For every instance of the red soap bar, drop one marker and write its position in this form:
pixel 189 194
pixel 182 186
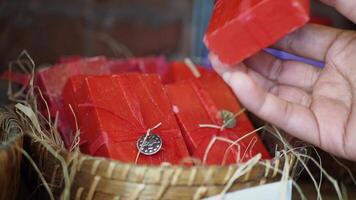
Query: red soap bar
pixel 115 111
pixel 70 110
pixel 241 28
pixel 51 80
pixel 224 99
pixel 193 107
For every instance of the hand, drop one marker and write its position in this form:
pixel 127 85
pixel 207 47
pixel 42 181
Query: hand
pixel 315 105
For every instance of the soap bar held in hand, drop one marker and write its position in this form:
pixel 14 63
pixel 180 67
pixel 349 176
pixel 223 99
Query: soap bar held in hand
pixel 241 28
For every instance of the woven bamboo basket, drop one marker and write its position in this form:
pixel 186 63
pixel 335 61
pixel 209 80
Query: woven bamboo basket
pixel 10 156
pixel 99 178
pixel 73 175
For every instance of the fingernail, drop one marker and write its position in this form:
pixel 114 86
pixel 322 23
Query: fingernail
pixel 226 76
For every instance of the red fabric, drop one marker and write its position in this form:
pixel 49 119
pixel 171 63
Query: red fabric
pixel 114 111
pixel 240 28
pixel 15 77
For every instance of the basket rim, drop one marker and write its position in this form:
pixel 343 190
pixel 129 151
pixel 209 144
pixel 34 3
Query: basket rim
pixel 9 142
pixel 85 157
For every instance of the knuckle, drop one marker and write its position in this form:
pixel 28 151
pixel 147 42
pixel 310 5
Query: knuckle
pixel 275 69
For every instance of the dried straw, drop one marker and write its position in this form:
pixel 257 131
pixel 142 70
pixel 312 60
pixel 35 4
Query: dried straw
pixel 189 63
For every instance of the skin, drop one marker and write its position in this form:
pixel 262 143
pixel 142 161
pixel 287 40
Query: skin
pixel 315 105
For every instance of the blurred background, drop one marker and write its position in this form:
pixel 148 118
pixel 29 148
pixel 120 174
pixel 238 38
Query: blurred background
pixel 48 29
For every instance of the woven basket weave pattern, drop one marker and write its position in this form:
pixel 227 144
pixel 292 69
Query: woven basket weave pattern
pixel 10 157
pixel 99 178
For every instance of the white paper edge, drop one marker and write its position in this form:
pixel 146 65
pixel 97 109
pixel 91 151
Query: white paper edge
pixel 271 191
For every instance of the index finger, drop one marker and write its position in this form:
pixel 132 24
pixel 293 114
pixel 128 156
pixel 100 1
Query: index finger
pixel 311 41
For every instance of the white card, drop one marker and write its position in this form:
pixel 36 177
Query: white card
pixel 272 191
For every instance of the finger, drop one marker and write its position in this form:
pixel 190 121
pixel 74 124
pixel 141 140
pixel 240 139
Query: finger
pixel 260 80
pixel 311 41
pixel 225 71
pixel 285 92
pixel 266 71
pixel 345 7
pixel 292 73
pixel 218 66
pixel 295 119
pixel 292 94
pixel 288 93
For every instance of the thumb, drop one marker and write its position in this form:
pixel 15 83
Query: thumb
pixel 293 118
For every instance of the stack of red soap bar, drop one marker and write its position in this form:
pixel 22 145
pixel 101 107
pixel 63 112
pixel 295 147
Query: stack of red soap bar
pixel 113 112
pixel 241 28
pixel 194 106
pixel 51 80
pixel 203 98
pixel 224 99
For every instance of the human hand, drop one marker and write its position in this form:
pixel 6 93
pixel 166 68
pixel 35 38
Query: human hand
pixel 315 105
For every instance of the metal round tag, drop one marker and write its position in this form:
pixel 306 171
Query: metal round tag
pixel 228 118
pixel 150 146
